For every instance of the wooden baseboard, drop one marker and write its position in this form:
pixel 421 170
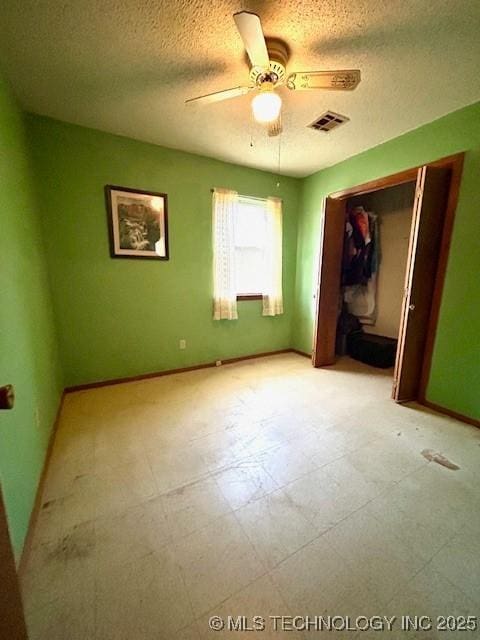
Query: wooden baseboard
pixel 143 376
pixel 27 545
pixel 170 372
pixel 302 353
pixel 450 413
pixel 265 354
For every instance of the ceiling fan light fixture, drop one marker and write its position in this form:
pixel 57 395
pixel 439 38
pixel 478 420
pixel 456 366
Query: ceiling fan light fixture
pixel 266 105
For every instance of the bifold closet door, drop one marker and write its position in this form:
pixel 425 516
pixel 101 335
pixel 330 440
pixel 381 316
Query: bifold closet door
pixel 429 208
pixel 328 287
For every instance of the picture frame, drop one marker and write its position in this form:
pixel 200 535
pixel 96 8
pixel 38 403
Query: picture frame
pixel 137 223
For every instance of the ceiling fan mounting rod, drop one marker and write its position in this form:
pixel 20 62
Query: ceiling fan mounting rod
pixel 278 55
pixel 277 51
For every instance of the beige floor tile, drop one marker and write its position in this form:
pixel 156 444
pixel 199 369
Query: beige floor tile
pixel 341 475
pixel 250 608
pixel 319 447
pixel 219 449
pixel 193 506
pixel 145 599
pixel 60 567
pixel 162 505
pixel 72 458
pixel 431 596
pixel 63 473
pixel 285 464
pixel 459 561
pixel 58 515
pixel 383 561
pixel 452 492
pixel 275 527
pixel 244 482
pixel 133 534
pixel 125 485
pixel 407 513
pixel 110 491
pixel 175 468
pixel 290 424
pixel 216 562
pixel 71 616
pixel 317 581
pixel 118 446
pixel 323 501
pixel 347 435
pixel 189 633
pixel 384 462
pixel 257 437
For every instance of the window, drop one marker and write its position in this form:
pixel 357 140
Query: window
pixel 247 252
pixel 249 240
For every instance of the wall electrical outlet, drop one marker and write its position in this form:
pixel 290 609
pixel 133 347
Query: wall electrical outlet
pixel 183 344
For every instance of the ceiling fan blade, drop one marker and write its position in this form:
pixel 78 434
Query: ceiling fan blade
pixel 220 95
pixel 344 80
pixel 250 29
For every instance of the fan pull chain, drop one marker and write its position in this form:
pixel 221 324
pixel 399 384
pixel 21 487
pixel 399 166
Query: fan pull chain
pixel 252 125
pixel 279 158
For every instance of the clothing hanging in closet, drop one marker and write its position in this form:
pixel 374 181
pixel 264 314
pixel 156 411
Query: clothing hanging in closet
pixel 360 264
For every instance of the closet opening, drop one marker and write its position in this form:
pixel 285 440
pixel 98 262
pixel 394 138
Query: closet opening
pixel 374 263
pixel 383 256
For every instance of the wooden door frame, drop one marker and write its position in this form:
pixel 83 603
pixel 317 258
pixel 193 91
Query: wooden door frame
pixel 455 164
pixel 12 620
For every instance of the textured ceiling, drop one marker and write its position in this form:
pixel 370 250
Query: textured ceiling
pixel 126 66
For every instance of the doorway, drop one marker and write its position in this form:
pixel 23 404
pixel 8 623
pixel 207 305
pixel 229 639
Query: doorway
pixel 433 192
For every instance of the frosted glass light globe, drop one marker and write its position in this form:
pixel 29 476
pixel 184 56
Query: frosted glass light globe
pixel 266 106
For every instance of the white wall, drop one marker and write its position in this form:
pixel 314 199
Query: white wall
pixel 394 209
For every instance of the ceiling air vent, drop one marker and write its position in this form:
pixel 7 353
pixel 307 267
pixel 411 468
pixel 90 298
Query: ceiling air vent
pixel 328 121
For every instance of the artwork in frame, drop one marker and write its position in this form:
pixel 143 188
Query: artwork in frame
pixel 137 222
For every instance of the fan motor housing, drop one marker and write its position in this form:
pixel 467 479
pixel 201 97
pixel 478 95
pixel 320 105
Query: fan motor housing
pixel 278 55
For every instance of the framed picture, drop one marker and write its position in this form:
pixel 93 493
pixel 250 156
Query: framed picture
pixel 137 222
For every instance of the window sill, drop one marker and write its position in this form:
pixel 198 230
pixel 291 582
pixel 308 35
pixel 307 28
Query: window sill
pixel 250 296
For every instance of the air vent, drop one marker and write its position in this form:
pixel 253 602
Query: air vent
pixel 328 121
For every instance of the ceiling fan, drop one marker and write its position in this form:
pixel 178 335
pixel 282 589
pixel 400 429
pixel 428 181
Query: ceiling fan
pixel 268 58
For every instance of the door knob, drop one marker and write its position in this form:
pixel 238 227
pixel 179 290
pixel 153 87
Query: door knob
pixel 412 307
pixel 7 397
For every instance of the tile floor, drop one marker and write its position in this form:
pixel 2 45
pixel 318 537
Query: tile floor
pixel 261 488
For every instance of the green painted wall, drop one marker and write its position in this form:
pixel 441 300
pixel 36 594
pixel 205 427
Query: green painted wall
pixel 455 376
pixel 116 318
pixel 119 318
pixel 28 352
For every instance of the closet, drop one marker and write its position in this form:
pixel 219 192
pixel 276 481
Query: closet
pixel 374 262
pixel 388 294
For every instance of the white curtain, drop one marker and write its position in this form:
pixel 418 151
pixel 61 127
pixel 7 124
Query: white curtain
pixel 225 208
pixel 272 296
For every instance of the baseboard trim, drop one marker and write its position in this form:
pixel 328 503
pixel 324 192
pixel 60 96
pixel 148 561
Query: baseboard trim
pixel 37 505
pixel 302 353
pixel 255 355
pixel 452 414
pixel 170 372
pixel 143 376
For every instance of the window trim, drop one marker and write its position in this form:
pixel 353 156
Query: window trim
pixel 250 296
